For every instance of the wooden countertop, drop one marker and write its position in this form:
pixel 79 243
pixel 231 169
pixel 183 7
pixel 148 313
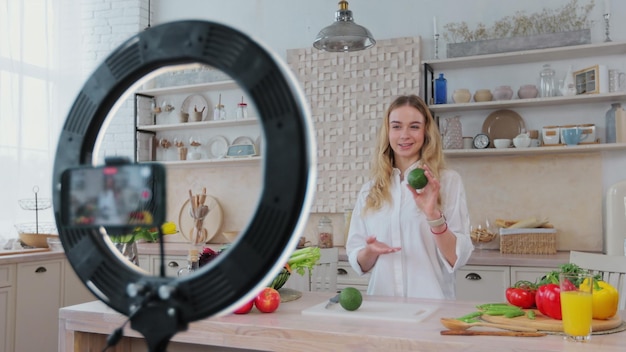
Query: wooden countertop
pixel 85 326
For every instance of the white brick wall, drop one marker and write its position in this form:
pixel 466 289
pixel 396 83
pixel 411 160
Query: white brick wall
pixel 107 24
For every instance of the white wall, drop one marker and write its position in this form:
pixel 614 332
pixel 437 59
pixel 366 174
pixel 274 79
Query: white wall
pixel 283 25
pixel 289 24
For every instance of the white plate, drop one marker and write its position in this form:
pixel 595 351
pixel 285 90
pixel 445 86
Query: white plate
pixel 217 146
pixel 243 140
pixel 212 223
pixel 195 101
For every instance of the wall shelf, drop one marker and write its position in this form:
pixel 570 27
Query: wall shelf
pixel 195 125
pixel 254 160
pixel 521 57
pixel 535 102
pixel 192 88
pixel 582 148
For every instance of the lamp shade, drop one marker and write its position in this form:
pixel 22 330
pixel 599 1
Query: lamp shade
pixel 344 34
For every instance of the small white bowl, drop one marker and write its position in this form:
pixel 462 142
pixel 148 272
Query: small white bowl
pixel 54 243
pixel 502 143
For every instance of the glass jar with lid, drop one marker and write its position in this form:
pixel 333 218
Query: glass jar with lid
pixel 547 85
pixel 325 233
pixel 242 111
pixel 219 113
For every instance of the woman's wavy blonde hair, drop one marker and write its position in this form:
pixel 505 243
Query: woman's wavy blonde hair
pixel 383 162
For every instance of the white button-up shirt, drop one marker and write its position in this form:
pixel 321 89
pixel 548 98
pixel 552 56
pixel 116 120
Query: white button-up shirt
pixel 418 269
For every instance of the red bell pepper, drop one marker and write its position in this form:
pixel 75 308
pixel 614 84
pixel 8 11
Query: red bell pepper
pixel 548 300
pixel 522 294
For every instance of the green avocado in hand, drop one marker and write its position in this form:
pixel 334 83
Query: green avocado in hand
pixel 417 179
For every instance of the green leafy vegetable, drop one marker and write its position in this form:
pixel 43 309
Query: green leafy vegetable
pixel 303 258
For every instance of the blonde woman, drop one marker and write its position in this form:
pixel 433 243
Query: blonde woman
pixel 410 242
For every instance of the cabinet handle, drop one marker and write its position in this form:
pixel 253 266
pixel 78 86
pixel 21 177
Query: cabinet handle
pixel 473 277
pixel 342 271
pixel 41 269
pixel 172 264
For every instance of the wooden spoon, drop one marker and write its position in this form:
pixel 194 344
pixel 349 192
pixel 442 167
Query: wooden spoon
pixel 455 324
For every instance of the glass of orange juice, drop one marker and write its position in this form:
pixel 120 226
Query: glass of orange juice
pixel 576 303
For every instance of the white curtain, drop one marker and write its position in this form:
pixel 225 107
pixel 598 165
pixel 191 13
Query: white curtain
pixel 40 74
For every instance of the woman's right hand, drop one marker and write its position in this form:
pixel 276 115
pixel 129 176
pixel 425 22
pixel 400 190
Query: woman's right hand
pixel 378 248
pixel 367 256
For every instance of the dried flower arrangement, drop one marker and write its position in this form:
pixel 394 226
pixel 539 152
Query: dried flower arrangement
pixel 570 17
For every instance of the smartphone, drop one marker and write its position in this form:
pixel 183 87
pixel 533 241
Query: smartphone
pixel 117 197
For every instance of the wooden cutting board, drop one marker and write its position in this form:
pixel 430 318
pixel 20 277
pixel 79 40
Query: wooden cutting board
pixel 545 323
pixel 389 311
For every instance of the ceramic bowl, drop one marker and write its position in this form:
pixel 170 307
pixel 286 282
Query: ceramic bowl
pixel 502 143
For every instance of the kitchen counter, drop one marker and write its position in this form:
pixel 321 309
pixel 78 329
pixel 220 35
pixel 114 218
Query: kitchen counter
pixel 85 327
pixel 479 257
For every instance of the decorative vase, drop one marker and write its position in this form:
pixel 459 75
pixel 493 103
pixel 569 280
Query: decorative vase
pixel 527 91
pixel 441 90
pixel 483 95
pixel 503 93
pixel 610 123
pixel 452 133
pixel 568 88
pixel 461 96
pixel 129 251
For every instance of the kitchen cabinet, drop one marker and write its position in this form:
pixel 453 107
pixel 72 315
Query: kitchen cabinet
pixel 7 308
pixel 214 135
pixel 173 263
pixel 468 66
pixel 347 277
pixel 31 293
pixel 38 298
pixel 488 283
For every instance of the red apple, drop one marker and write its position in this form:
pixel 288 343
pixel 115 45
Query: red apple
pixel 245 309
pixel 268 300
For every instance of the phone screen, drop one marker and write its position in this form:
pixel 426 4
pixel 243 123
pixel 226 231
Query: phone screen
pixel 114 196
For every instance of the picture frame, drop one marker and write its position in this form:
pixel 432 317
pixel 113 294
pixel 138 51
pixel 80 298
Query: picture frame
pixel 586 80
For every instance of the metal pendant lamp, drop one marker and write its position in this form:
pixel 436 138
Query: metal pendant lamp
pixel 344 34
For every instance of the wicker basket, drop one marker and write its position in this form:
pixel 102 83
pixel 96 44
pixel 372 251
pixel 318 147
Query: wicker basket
pixel 528 241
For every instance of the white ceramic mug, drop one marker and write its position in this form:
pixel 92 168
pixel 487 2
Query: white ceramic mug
pixel 550 135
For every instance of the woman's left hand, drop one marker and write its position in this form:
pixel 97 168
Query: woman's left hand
pixel 427 198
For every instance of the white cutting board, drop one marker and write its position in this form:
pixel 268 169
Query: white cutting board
pixel 390 311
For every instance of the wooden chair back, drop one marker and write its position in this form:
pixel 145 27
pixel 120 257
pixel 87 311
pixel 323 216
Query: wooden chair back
pixel 612 268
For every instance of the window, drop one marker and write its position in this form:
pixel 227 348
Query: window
pixel 36 89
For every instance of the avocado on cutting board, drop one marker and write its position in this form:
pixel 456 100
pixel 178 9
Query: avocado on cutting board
pixel 545 323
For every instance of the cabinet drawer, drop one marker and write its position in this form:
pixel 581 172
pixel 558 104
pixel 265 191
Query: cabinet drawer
pixel 532 274
pixel 7 273
pixel 482 283
pixel 346 276
pixel 172 265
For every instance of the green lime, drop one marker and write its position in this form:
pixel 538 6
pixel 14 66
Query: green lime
pixel 350 298
pixel 417 179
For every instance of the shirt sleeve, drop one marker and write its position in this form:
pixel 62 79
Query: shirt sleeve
pixel 358 231
pixel 457 216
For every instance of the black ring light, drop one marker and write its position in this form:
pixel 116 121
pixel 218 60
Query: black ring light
pixel 159 307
